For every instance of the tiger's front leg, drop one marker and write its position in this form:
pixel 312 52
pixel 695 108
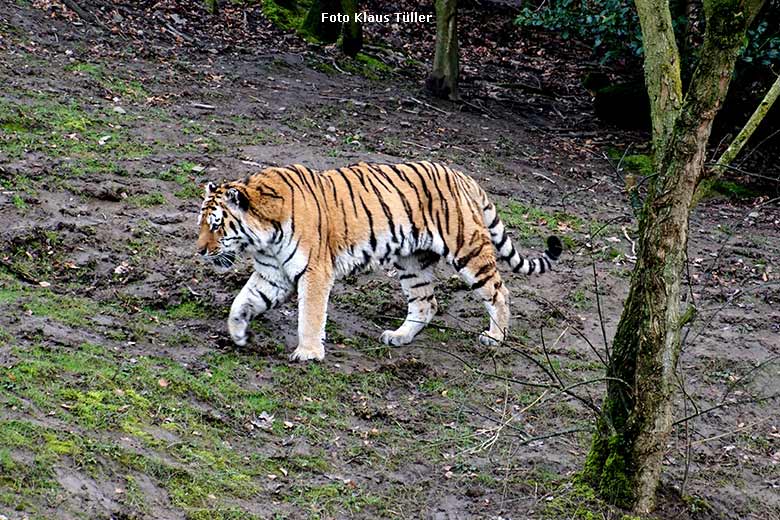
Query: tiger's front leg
pixel 259 294
pixel 313 293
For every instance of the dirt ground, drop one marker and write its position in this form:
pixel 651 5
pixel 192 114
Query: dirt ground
pixel 121 396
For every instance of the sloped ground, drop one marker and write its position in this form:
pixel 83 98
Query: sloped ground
pixel 121 397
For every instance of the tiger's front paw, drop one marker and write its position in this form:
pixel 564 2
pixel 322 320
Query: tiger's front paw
pixel 240 338
pixel 488 340
pixel 241 341
pixel 394 338
pixel 238 331
pixel 303 353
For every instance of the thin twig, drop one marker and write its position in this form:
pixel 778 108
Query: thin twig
pixel 732 432
pixel 598 304
pixel 428 105
pixel 545 177
pixel 726 405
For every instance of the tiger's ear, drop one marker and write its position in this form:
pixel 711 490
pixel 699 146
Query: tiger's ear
pixel 236 199
pixel 210 188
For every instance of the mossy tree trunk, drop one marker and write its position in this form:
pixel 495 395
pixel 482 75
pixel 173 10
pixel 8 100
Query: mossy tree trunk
pixel 352 33
pixel 624 463
pixel 662 70
pixel 443 79
pixel 324 31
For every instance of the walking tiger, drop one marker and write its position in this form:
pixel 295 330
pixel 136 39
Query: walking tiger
pixel 303 229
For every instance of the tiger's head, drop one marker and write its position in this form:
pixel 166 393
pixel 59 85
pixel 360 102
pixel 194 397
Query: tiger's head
pixel 220 239
pixel 230 223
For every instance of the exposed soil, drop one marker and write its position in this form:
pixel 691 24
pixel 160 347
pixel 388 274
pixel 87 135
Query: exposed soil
pixel 121 395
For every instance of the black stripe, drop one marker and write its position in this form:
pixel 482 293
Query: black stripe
pixel 385 210
pixel 303 173
pixel 480 283
pixel 359 173
pixel 462 262
pixel 415 231
pixel 425 188
pixel 298 276
pixel 266 299
pixel 442 199
pixel 483 270
pixel 372 236
pixel 349 187
pixel 292 201
pixel 495 222
pixel 295 250
pixel 501 243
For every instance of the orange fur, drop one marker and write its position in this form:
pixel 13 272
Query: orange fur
pixel 303 229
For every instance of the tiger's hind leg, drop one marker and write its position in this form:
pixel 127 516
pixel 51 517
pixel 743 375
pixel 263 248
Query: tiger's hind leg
pixel 416 276
pixel 259 294
pixel 477 267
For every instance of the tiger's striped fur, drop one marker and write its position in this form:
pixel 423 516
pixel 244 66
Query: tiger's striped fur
pixel 303 229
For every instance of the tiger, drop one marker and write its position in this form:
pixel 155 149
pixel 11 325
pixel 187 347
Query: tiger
pixel 303 229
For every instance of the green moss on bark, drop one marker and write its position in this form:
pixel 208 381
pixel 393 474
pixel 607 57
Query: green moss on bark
pixel 606 470
pixel 314 27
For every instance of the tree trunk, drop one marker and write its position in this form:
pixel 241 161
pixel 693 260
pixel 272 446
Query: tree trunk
pixel 324 31
pixel 662 70
pixel 352 33
pixel 624 463
pixel 443 79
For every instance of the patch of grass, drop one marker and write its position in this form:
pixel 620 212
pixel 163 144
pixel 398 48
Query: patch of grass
pixel 145 242
pixel 93 70
pixel 285 17
pixel 101 390
pixel 337 497
pixel 18 202
pixel 5 337
pixel 641 164
pixel 37 255
pixel 20 183
pixel 366 66
pixel 580 299
pixel 188 310
pixel 92 166
pixel 324 67
pixel 70 310
pixel 529 221
pixel 147 200
pixel 371 301
pixel 445 335
pixel 23 482
pixel 65 130
pixel 732 189
pixel 130 89
pixel 183 175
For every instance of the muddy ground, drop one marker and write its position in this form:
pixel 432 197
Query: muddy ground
pixel 120 396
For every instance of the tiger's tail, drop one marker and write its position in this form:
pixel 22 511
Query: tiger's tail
pixel 506 250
